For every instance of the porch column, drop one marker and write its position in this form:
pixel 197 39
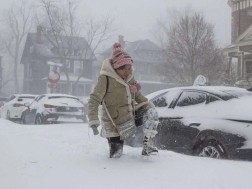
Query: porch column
pixel 229 66
pixel 242 70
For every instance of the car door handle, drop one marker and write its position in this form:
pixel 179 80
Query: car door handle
pixel 194 124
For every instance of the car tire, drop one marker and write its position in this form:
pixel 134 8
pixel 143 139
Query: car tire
pixel 211 149
pixel 38 120
pixel 23 119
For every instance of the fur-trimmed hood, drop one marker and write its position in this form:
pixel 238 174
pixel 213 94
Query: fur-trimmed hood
pixel 108 70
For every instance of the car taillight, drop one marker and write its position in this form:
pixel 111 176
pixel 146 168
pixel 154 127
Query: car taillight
pixel 49 106
pixel 17 105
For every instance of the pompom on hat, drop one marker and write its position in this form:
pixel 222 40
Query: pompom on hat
pixel 120 57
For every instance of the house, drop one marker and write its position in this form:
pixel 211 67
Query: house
pixel 240 49
pixel 71 57
pixel 146 56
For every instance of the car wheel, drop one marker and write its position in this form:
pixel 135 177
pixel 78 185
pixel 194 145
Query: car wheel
pixel 211 149
pixel 38 120
pixel 23 119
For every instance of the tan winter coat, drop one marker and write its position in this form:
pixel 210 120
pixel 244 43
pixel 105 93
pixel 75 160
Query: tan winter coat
pixel 118 100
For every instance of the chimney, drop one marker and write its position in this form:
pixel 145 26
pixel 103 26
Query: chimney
pixel 39 34
pixel 121 40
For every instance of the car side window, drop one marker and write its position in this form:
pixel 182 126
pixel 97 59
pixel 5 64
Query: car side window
pixel 160 101
pixel 189 98
pixel 212 98
pixel 165 99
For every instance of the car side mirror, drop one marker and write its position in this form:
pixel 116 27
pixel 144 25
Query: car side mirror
pixel 27 104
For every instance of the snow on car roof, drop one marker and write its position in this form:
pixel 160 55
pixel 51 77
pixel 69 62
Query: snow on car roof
pixel 58 94
pixel 211 89
pixel 55 95
pixel 18 95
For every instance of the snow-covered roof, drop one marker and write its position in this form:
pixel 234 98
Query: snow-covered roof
pixel 45 47
pixel 141 50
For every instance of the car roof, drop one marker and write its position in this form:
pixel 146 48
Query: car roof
pixel 218 90
pixel 58 94
pixel 24 95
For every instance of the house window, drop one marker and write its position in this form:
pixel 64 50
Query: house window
pixel 74 66
pixel 70 65
pixel 69 52
pixel 77 67
pixel 238 6
pixel 249 67
pixel 76 52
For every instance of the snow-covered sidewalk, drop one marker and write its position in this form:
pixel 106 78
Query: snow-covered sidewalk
pixel 68 156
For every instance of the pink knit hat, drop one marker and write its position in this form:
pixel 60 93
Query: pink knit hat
pixel 120 57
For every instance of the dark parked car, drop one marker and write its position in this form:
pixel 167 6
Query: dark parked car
pixel 204 120
pixel 50 107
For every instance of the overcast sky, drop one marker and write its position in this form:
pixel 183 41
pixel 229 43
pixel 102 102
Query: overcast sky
pixel 135 19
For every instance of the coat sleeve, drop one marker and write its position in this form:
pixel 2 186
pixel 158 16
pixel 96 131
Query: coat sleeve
pixel 95 100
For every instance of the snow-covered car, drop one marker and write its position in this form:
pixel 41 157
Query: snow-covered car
pixel 208 121
pixel 50 107
pixel 14 106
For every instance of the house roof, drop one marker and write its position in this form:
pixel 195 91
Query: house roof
pixel 45 46
pixel 232 1
pixel 242 44
pixel 141 50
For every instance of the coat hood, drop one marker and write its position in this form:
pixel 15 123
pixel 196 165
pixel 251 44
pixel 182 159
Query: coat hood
pixel 108 70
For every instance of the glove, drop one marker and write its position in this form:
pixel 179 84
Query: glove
pixel 95 130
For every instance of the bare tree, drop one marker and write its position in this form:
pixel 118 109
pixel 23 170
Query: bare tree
pixel 62 27
pixel 17 23
pixel 190 48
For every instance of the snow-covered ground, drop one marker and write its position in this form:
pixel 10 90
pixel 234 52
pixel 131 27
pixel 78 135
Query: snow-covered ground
pixel 68 156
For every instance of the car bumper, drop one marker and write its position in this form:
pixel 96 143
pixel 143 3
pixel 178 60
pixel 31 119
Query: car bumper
pixel 52 116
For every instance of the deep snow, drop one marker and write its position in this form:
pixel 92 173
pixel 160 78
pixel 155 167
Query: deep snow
pixel 68 156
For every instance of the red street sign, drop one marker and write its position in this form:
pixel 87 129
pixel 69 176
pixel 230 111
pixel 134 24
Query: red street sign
pixel 53 77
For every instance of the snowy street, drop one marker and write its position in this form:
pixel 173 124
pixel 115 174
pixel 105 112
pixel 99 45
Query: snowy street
pixel 69 156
